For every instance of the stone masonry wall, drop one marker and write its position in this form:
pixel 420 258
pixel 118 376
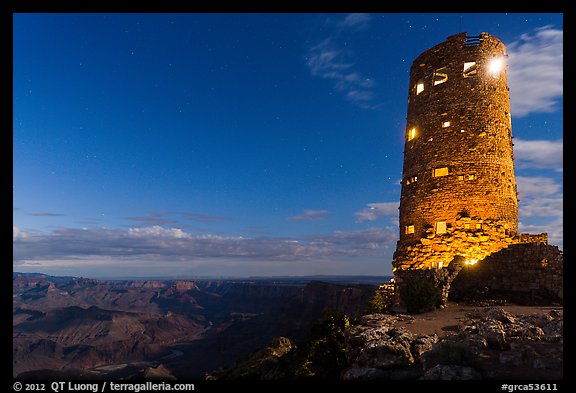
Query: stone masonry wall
pixel 470 237
pixel 524 273
pixel 458 160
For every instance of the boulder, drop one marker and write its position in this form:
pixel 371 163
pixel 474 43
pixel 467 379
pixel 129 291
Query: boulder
pixel 445 372
pixel 363 373
pixel 422 345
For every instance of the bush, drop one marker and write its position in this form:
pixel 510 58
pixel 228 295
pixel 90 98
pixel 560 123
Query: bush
pixel 420 294
pixel 322 355
pixel 376 304
pixel 452 352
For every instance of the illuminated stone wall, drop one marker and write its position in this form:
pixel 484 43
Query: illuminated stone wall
pixel 458 188
pixel 529 273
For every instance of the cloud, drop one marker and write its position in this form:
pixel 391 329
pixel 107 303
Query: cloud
pixel 205 218
pixel 536 186
pixel 539 197
pixel 541 207
pixel 539 154
pixel 18 234
pixel 376 210
pixel 535 72
pixel 332 60
pixel 172 244
pixel 554 229
pixel 162 218
pixel 356 20
pixel 152 219
pixel 46 214
pixel 310 215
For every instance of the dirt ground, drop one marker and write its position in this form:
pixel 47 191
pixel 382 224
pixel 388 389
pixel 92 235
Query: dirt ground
pixel 443 321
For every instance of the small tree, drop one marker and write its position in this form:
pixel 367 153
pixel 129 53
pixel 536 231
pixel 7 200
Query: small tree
pixel 323 355
pixel 376 304
pixel 420 294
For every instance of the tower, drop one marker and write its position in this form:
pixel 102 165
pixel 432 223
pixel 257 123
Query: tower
pixel 458 187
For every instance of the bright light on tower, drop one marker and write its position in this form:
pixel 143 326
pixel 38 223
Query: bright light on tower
pixel 496 66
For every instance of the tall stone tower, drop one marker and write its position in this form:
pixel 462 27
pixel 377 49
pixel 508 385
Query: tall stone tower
pixel 458 187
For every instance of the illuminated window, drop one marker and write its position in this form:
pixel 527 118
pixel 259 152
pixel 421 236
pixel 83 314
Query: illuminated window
pixel 471 177
pixel 466 225
pixel 478 225
pixel 419 86
pixel 462 130
pixel 440 264
pixel 441 227
pixel 411 180
pixel 445 124
pixel 460 177
pixel 437 172
pixel 409 229
pixel 412 133
pixel 440 76
pixel 470 69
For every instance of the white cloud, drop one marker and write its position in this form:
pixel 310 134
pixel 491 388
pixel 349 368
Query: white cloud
pixel 535 72
pixel 356 20
pixel 536 186
pixel 541 207
pixel 173 244
pixel 18 234
pixel 311 215
pixel 377 210
pixel 554 229
pixel 539 154
pixel 331 60
pixel 159 232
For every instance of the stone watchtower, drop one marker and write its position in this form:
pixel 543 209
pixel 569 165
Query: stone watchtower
pixel 458 187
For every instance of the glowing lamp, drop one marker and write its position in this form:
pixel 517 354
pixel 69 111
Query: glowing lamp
pixel 496 66
pixel 471 262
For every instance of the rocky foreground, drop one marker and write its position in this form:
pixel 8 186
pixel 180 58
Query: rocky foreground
pixel 487 343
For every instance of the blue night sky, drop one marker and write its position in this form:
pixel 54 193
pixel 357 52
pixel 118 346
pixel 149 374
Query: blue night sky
pixel 245 144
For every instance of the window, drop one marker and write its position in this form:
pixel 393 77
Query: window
pixel 471 177
pixel 478 225
pixel 466 225
pixel 462 130
pixel 419 86
pixel 460 177
pixel 409 229
pixel 470 69
pixel 437 172
pixel 445 124
pixel 440 76
pixel 441 227
pixel 412 133
pixel 411 180
pixel 440 264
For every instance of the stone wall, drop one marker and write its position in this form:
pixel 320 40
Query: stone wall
pixel 526 273
pixel 458 120
pixel 473 238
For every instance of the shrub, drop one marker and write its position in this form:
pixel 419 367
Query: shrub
pixel 322 355
pixel 420 294
pixel 376 304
